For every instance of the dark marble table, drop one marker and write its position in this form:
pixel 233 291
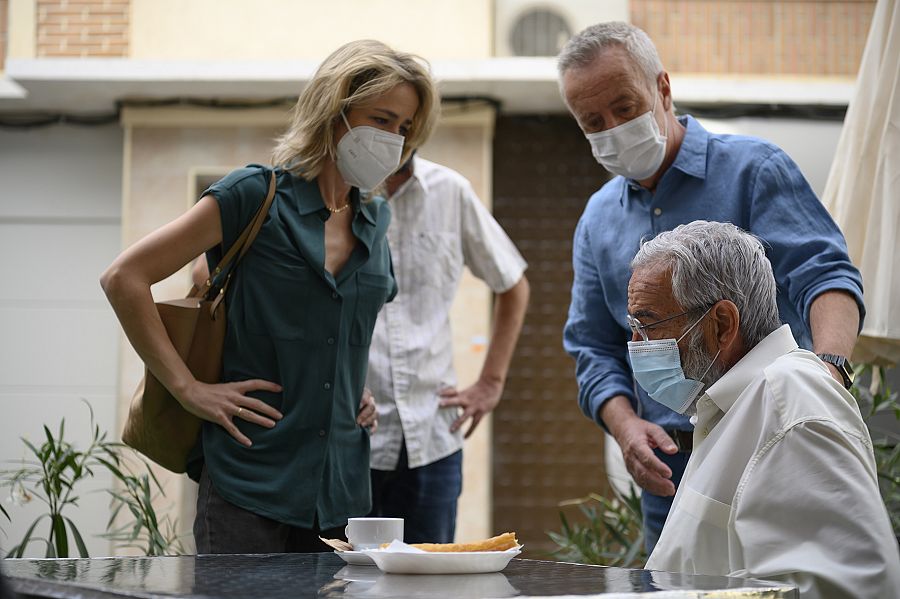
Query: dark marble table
pixel 325 575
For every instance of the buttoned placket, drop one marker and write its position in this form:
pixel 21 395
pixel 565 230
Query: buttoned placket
pixel 391 317
pixel 354 262
pixel 652 200
pixel 400 368
pixel 646 199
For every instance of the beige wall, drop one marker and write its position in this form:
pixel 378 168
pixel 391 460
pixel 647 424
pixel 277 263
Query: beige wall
pixel 59 228
pixel 306 29
pixel 21 36
pixel 163 150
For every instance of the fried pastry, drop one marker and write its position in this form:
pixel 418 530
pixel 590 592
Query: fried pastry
pixel 499 543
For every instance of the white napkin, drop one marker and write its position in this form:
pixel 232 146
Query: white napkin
pixel 398 546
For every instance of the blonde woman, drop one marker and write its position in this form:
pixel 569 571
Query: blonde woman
pixel 285 451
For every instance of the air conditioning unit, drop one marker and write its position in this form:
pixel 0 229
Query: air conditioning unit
pixel 540 28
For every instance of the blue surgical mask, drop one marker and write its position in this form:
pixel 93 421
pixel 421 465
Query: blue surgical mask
pixel 656 365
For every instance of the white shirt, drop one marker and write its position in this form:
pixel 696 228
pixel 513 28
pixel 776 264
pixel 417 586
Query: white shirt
pixel 438 226
pixel 781 484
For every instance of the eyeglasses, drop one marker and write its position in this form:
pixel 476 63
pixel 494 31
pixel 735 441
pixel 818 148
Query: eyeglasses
pixel 640 329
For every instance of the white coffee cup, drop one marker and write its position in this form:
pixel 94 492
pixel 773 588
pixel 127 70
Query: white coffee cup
pixel 370 533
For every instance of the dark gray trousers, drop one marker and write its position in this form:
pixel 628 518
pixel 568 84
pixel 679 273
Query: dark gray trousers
pixel 222 527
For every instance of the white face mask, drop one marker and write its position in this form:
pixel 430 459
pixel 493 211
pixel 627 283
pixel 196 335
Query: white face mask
pixel 366 156
pixel 634 149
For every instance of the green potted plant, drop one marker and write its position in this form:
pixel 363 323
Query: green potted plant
pixel 53 475
pixel 609 534
pixel 881 411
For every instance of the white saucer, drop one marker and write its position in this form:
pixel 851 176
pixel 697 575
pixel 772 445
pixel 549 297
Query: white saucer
pixel 355 558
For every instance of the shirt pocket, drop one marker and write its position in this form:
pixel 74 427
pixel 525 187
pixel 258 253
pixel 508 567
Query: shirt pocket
pixel 705 509
pixel 372 291
pixel 276 298
pixel 437 258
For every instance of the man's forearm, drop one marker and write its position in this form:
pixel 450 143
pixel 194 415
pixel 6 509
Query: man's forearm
pixel 509 314
pixel 616 411
pixel 834 323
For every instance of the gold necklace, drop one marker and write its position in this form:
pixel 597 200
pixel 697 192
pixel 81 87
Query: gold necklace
pixel 336 210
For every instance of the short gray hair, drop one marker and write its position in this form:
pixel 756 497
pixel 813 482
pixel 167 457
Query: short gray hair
pixel 583 48
pixel 712 261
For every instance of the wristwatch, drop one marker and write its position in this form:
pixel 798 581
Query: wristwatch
pixel 842 365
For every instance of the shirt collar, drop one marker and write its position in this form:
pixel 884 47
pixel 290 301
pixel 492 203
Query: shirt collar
pixel 727 389
pixel 308 196
pixel 691 157
pixel 414 179
pixel 309 200
pixel 367 208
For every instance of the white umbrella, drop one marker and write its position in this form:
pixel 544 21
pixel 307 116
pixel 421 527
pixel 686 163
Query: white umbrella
pixel 863 189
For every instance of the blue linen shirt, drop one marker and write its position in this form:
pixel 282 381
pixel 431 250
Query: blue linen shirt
pixel 727 178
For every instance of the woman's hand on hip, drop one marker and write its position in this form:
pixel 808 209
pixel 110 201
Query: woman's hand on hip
pixel 221 403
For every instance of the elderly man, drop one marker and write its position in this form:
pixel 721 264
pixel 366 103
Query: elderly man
pixel 782 482
pixel 671 171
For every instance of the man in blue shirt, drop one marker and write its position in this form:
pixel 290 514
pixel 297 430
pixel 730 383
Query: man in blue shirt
pixel 670 171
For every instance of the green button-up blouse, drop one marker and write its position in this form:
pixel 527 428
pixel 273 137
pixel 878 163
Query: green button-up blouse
pixel 291 322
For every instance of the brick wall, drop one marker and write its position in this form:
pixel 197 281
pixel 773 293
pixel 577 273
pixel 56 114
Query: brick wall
pixel 4 31
pixel 794 37
pixel 80 28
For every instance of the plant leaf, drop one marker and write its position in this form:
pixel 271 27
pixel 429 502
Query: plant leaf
pixel 31 447
pixel 20 549
pixel 79 542
pixel 60 535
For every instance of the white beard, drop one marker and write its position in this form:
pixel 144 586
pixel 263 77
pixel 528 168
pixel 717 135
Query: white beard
pixel 699 365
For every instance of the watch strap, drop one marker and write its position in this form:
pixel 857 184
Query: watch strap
pixel 842 365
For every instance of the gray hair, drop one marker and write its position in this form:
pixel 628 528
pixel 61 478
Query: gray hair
pixel 583 48
pixel 712 261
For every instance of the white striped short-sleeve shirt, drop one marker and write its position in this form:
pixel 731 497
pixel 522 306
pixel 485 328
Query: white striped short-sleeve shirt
pixel 438 226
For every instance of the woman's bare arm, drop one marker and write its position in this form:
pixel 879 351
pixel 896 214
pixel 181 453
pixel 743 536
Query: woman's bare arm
pixel 127 282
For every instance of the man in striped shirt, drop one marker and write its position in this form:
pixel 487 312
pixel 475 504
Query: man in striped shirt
pixel 438 226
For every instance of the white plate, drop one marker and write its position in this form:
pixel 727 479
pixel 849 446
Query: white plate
pixel 471 562
pixel 356 558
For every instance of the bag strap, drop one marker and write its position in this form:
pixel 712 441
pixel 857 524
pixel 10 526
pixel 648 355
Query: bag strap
pixel 238 249
pixel 245 240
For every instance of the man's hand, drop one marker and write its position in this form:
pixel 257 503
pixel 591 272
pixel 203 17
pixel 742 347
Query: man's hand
pixel 476 401
pixel 367 417
pixel 638 438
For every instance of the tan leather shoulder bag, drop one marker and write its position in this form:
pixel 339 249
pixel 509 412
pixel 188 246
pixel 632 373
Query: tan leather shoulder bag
pixel 157 425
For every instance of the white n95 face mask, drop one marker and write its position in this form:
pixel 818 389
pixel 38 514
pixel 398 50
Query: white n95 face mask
pixel 366 156
pixel 634 149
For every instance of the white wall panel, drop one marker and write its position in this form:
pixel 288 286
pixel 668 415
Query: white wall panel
pixel 61 171
pixel 60 190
